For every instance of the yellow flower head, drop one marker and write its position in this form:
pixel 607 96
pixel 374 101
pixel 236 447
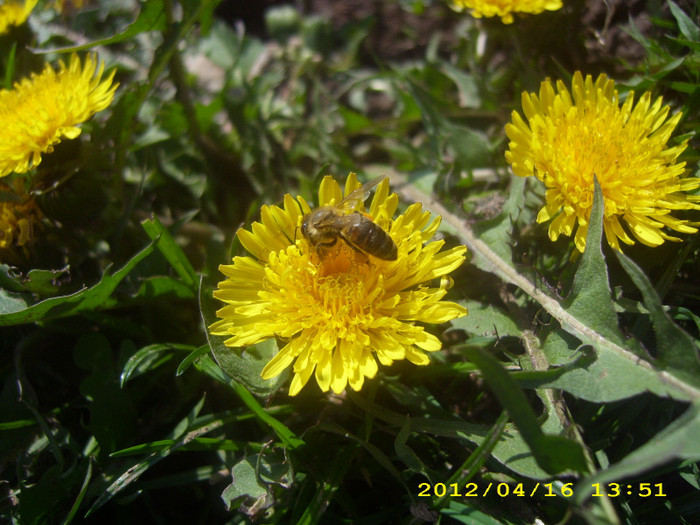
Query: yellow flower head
pixel 505 8
pixel 40 111
pixel 339 310
pixel 14 13
pixel 19 216
pixel 567 142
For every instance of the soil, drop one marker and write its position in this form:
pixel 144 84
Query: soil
pixel 396 33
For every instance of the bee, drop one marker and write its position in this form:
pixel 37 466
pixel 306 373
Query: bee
pixel 323 227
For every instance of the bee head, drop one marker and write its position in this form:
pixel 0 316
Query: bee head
pixel 305 226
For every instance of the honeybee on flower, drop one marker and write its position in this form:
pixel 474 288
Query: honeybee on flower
pixel 323 227
pixel 343 308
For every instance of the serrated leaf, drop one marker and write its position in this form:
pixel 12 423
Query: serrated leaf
pixel 37 281
pixel 255 477
pixel 590 299
pixel 17 311
pixel 246 486
pixel 617 372
pixel 604 377
pixel 496 233
pixel 616 365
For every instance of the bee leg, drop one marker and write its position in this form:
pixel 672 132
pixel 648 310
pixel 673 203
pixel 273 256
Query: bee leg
pixel 322 248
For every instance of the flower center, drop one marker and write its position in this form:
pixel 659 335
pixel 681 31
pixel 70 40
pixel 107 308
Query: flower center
pixel 578 146
pixel 332 292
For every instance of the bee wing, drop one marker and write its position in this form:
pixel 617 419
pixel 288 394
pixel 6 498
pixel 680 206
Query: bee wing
pixel 359 195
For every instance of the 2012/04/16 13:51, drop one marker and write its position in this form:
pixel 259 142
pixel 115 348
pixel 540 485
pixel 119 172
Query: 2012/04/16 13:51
pixel 612 490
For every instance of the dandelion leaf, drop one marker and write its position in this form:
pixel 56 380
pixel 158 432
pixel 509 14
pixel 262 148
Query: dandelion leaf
pixel 486 320
pixel 14 309
pixel 497 233
pixel 675 350
pixel 619 370
pixel 590 299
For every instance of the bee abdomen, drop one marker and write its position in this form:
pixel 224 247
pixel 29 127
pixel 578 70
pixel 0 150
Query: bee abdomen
pixel 371 238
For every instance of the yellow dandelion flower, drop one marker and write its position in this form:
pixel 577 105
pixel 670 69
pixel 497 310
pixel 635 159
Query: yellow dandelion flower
pixel 19 216
pixel 505 8
pixel 14 13
pixel 40 111
pixel 340 312
pixel 567 142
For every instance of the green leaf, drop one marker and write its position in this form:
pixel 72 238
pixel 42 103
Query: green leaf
pixel 10 67
pixel 159 286
pixel 408 457
pixel 461 513
pixel 496 234
pixel 327 487
pixel 192 358
pixel 676 351
pixel 16 311
pixel 685 24
pixel 555 454
pixel 379 456
pixel 466 83
pixel 678 441
pixel 486 320
pixel 288 438
pixel 511 450
pixel 37 502
pixel 477 459
pixel 254 479
pixel 590 299
pixel 81 495
pixel 148 358
pixel 469 147
pixel 242 365
pixel 135 471
pixel 170 250
pixel 151 18
pixel 112 414
pixel 203 443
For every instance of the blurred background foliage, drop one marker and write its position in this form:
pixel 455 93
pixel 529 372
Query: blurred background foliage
pixel 113 409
